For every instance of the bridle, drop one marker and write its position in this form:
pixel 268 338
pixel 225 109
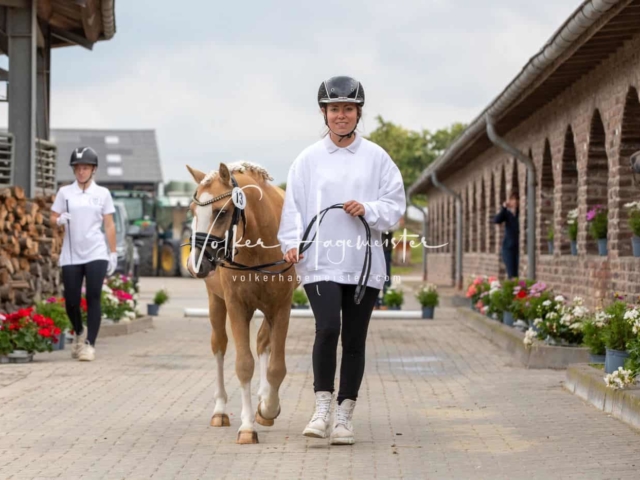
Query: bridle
pixel 211 250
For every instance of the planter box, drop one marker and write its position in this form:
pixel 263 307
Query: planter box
pixel 511 340
pixel 134 326
pixel 588 383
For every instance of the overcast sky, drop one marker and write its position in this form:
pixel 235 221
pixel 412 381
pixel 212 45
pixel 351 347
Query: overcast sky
pixel 227 81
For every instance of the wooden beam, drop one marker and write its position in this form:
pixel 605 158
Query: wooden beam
pixel 91 20
pixel 72 38
pixel 15 3
pixel 45 10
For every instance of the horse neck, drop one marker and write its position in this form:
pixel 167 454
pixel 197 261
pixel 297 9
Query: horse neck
pixel 263 219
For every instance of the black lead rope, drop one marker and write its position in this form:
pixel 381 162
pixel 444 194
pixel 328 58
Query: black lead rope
pixel 305 244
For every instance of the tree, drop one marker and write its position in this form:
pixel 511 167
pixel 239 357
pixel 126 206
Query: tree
pixel 413 151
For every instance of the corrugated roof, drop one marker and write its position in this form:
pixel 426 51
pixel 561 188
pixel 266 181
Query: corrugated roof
pixel 593 33
pixel 125 156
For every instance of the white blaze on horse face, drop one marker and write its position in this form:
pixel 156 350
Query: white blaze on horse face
pixel 220 393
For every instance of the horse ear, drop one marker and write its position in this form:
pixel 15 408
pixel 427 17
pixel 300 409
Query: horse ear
pixel 196 174
pixel 225 176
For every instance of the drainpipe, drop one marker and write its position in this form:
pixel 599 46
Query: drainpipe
pixel 458 198
pixel 425 231
pixel 531 193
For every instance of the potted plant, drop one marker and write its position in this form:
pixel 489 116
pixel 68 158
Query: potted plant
pixel 429 299
pixel 161 297
pixel 28 333
pixel 550 239
pixel 597 218
pixel 393 298
pixel 54 309
pixel 300 299
pixel 5 342
pixel 593 336
pixel 572 230
pixel 634 224
pixel 617 333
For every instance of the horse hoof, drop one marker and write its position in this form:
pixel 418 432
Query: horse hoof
pixel 265 422
pixel 220 420
pixel 247 438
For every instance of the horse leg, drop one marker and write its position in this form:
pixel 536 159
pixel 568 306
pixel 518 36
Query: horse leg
pixel 263 354
pixel 240 319
pixel 269 406
pixel 219 340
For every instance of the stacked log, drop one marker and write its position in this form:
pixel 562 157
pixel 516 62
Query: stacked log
pixel 29 250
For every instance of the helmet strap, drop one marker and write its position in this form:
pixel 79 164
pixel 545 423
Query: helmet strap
pixel 342 137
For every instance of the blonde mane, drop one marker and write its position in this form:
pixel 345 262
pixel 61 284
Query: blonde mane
pixel 240 167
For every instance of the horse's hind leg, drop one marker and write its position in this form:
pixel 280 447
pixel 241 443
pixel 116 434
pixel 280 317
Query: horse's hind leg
pixel 219 340
pixel 269 406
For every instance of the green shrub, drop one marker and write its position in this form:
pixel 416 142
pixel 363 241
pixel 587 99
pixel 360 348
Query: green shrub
pixel 393 297
pixel 428 296
pixel 161 297
pixel 300 297
pixel 618 331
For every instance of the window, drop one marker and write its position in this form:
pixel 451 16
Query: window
pixel 114 158
pixel 114 171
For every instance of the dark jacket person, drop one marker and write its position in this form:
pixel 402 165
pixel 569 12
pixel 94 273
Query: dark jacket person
pixel 510 216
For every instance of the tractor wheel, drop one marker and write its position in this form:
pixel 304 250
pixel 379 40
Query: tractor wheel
pixel 168 261
pixel 184 253
pixel 148 256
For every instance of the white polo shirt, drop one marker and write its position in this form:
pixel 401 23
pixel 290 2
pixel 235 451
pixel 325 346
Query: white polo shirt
pixel 325 174
pixel 84 240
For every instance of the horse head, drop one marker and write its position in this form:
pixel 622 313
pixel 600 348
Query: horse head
pixel 213 214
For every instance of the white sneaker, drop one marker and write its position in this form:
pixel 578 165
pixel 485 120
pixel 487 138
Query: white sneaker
pixel 87 354
pixel 342 433
pixel 317 427
pixel 78 342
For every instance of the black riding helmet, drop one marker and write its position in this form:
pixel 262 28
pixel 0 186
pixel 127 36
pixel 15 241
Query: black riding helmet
pixel 84 156
pixel 341 90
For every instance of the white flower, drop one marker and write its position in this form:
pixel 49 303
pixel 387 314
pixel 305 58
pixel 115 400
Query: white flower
pixel 529 337
pixel 579 311
pixel 537 322
pixel 105 288
pixel 619 379
pixel 632 314
pixel 546 303
pixel 552 315
pixel 559 298
pixel 602 318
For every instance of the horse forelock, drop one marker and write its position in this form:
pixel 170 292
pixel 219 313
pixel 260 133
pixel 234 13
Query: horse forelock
pixel 252 169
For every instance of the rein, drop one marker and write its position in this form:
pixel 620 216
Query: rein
pixel 305 244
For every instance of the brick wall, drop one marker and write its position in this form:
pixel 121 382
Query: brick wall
pixel 580 143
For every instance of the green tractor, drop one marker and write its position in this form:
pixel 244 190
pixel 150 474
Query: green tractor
pixel 150 225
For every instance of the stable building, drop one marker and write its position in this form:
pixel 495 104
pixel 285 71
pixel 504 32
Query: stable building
pixel 562 135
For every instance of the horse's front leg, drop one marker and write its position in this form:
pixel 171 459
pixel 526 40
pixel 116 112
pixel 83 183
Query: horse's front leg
pixel 269 406
pixel 219 340
pixel 240 319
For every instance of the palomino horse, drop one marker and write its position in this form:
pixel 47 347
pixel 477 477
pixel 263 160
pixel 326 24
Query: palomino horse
pixel 239 293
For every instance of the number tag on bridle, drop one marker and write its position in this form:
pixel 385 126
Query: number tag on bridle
pixel 238 198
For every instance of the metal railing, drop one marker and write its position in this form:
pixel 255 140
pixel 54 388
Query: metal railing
pixel 46 154
pixel 6 158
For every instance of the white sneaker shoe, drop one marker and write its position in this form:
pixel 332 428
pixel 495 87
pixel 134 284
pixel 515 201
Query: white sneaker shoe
pixel 87 354
pixel 78 342
pixel 342 433
pixel 317 427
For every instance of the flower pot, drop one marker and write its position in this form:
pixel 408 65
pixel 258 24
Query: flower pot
pixel 635 243
pixel 507 318
pixel 153 309
pixel 59 345
pixel 614 359
pixel 574 247
pixel 596 358
pixel 394 307
pixel 550 247
pixel 20 356
pixel 427 312
pixel 602 247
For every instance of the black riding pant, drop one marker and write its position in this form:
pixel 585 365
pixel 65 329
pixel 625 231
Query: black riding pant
pixel 72 278
pixel 328 300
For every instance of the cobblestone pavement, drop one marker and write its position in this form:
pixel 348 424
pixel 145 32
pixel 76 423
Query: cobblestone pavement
pixel 437 402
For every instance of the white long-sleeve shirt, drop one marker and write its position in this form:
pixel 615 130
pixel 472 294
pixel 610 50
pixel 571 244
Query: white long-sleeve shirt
pixel 323 175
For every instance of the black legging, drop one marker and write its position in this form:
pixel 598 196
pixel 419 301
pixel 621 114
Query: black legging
pixel 327 299
pixel 72 276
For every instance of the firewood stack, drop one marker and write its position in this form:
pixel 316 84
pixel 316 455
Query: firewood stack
pixel 29 250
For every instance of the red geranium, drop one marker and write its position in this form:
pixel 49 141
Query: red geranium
pixel 521 294
pixel 83 304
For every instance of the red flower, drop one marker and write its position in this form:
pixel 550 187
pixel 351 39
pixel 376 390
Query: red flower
pixel 44 332
pixel 56 331
pixel 521 294
pixel 83 304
